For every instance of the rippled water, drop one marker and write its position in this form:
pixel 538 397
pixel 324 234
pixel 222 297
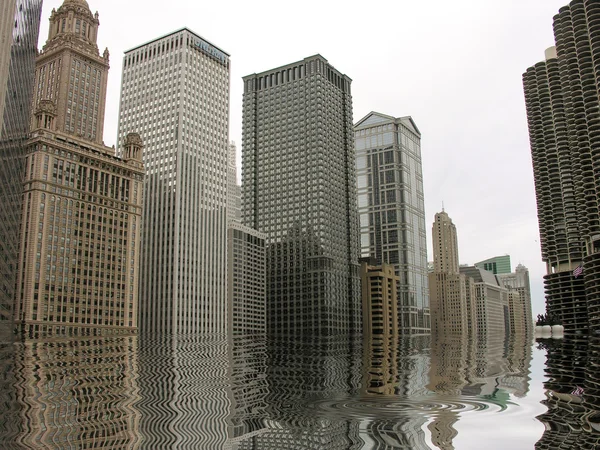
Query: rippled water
pixel 185 392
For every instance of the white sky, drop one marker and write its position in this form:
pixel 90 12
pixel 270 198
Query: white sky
pixel 454 66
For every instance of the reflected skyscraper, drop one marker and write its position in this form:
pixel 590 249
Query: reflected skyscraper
pixel 19 31
pixel 176 89
pixel 392 209
pixel 79 394
pixel 571 421
pixel 299 188
pixel 184 388
pixel 488 370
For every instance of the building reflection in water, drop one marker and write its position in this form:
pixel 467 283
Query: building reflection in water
pixel 184 389
pixel 70 394
pixel 487 370
pixel 247 392
pixel 572 394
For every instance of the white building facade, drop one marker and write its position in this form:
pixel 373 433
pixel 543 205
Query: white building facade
pixel 176 89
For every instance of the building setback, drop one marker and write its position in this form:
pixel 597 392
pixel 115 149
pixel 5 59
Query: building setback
pixel 392 209
pixel 299 188
pixel 19 30
pixel 175 90
pixel 82 208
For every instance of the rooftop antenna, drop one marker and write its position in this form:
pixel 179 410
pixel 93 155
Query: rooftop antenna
pixel 443 210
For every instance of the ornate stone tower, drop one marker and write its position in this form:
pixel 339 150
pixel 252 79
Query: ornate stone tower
pixel 72 74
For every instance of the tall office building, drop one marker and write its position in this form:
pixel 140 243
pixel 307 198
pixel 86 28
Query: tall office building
pixel 299 188
pixel 392 209
pixel 7 15
pixel 452 299
pixel 234 190
pixel 82 208
pixel 19 30
pixel 175 90
pixel 519 300
pixel 490 302
pixel 246 259
pixel 496 265
pixel 562 97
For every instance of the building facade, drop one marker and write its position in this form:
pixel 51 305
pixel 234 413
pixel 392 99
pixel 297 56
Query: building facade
pixel 19 31
pixel 299 188
pixel 519 300
pixel 392 209
pixel 234 190
pixel 246 259
pixel 82 208
pixel 380 328
pixel 491 302
pixel 175 90
pixel 7 14
pixel 451 297
pixel 496 265
pixel 562 96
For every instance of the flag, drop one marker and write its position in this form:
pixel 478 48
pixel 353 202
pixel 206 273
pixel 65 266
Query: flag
pixel 578 391
pixel 578 271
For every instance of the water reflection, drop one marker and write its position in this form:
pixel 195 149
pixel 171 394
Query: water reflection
pixel 573 394
pixel 246 392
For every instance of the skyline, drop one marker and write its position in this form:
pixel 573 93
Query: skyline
pixel 481 92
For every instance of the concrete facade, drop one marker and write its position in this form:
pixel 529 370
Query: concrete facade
pixel 561 96
pixel 246 259
pixel 451 297
pixel 519 300
pixel 176 87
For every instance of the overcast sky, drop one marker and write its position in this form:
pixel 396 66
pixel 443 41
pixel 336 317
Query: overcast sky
pixel 455 67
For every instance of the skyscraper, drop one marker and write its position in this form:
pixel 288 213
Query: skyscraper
pixel 299 188
pixel 19 31
pixel 562 97
pixel 519 300
pixel 445 244
pixel 175 90
pixel 234 191
pixel 452 300
pixel 7 14
pixel 82 208
pixel 246 259
pixel 392 209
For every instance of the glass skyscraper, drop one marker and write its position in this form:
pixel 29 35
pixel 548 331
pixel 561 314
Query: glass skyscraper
pixel 392 209
pixel 299 188
pixel 19 31
pixel 175 92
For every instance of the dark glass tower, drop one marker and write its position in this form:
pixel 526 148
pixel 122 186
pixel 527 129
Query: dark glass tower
pixel 299 188
pixel 563 111
pixel 17 83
